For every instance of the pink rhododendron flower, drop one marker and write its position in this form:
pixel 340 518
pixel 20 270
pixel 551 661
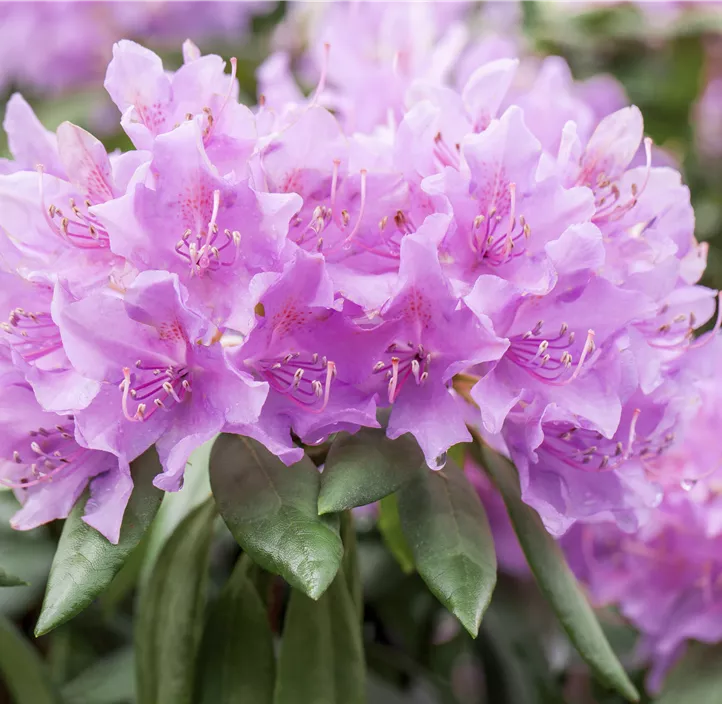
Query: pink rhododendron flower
pixel 665 577
pixel 71 39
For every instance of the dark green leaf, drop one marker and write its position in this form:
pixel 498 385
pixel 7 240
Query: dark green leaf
pixel 109 681
pixel 170 612
pixel 365 467
pixel 237 663
pixel 389 525
pixel 696 678
pixel 86 562
pixel 350 562
pixel 449 535
pixel 9 580
pixel 322 657
pixel 556 580
pixel 176 505
pixel 271 510
pixel 512 643
pixel 22 552
pixel 127 578
pixel 24 673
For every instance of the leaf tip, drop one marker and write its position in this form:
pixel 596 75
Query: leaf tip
pixel 323 507
pixel 315 591
pixel 48 622
pixel 42 628
pixel 471 626
pixel 631 692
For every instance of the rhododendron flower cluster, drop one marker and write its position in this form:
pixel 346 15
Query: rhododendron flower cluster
pixel 667 577
pixel 71 39
pixel 483 247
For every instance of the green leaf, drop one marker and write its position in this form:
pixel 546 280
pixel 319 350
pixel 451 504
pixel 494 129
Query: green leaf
pixel 109 681
pixel 271 510
pixel 512 643
pixel 365 467
pixel 86 562
pixel 170 612
pixel 9 580
pixel 28 553
pixel 237 662
pixel 176 505
pixel 389 525
pixel 322 657
pixel 350 564
pixel 449 535
pixel 556 580
pixel 696 678
pixel 24 673
pixel 127 578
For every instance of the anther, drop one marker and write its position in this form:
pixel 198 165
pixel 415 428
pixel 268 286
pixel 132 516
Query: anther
pixel 298 375
pixel 415 369
pixel 394 379
pixel 168 388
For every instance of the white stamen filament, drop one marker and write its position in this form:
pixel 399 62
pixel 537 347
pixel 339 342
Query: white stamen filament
pixel 362 207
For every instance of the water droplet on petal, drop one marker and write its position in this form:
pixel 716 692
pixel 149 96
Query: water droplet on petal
pixel 688 484
pixel 439 462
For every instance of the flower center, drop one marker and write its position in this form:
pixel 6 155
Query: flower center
pixel 32 335
pixel 607 196
pixel 43 455
pixel 406 360
pixel 318 230
pixel 209 251
pixel 582 448
pixel 444 154
pixel 159 385
pixel 490 242
pixel 549 359
pixel 677 332
pixel 304 379
pixel 77 226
